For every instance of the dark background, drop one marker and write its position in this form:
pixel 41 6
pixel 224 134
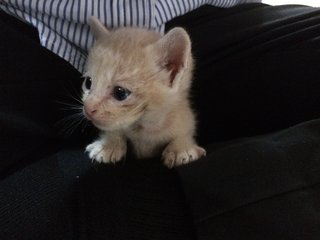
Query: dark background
pixel 256 77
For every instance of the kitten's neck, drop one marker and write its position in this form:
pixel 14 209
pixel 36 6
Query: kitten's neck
pixel 155 119
pixel 159 119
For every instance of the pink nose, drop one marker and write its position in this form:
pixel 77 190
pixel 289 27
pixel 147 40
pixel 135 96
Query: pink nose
pixel 90 111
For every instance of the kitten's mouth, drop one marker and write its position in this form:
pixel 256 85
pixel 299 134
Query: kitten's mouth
pixel 95 122
pixel 86 115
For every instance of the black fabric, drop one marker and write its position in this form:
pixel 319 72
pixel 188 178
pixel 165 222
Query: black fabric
pixel 263 187
pixel 64 196
pixel 256 73
pixel 256 68
pixel 34 85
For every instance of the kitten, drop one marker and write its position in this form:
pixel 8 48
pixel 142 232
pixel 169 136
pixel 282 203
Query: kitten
pixel 136 88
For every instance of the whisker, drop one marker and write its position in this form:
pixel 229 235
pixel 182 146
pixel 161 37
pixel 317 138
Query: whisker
pixel 67 123
pixel 70 123
pixel 72 90
pixel 71 101
pixel 85 123
pixel 71 129
pixel 69 104
pixel 79 110
pixel 76 99
pixel 75 109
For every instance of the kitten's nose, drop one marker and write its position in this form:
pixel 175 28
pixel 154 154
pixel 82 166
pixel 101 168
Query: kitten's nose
pixel 90 111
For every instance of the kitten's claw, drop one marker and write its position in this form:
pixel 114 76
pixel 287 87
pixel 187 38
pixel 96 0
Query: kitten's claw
pixel 105 153
pixel 95 150
pixel 174 157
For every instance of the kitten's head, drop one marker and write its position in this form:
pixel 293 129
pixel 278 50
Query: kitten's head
pixel 131 72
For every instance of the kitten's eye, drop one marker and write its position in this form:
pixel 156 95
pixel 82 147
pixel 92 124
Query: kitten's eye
pixel 86 85
pixel 120 93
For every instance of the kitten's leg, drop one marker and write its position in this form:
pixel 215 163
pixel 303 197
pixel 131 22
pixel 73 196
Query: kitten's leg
pixel 182 151
pixel 110 148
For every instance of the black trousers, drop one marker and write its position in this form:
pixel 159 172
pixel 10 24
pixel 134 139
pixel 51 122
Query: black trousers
pixel 256 78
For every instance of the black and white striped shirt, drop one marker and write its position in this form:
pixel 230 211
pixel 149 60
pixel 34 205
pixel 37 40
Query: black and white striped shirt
pixel 62 24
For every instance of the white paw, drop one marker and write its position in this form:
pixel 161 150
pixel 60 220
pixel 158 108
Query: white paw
pixel 175 156
pixel 107 153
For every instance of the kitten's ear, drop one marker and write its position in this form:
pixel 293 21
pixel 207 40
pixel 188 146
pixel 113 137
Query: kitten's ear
pixel 174 51
pixel 97 28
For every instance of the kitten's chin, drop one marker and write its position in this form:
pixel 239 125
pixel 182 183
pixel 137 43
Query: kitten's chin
pixel 113 125
pixel 101 126
pixel 108 126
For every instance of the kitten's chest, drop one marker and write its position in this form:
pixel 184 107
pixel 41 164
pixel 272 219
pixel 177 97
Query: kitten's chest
pixel 143 133
pixel 147 141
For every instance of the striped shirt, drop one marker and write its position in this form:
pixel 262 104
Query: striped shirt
pixel 63 28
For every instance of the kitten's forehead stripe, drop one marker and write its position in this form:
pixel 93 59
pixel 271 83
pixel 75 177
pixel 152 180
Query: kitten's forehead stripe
pixel 121 59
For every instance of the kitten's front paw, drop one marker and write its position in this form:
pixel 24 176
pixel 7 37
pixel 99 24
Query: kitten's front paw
pixel 175 156
pixel 106 153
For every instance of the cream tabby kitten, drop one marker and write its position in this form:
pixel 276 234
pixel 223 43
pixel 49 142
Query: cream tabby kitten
pixel 136 88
